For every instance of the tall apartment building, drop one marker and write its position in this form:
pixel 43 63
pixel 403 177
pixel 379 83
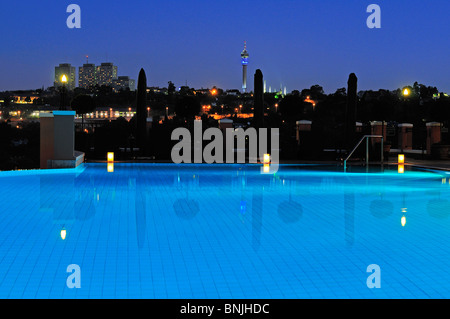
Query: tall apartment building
pixel 106 73
pixel 69 71
pixel 87 76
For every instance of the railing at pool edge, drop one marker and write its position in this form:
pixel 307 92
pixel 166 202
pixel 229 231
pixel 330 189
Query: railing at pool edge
pixel 366 137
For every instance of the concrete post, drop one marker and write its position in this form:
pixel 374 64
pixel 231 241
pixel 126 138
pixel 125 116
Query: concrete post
pixel 302 126
pixel 378 128
pixel 405 136
pixel 433 134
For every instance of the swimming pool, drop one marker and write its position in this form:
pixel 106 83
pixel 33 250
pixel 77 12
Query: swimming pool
pixel 223 231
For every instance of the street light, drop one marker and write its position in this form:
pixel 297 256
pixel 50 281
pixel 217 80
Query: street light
pixel 63 92
pixel 406 92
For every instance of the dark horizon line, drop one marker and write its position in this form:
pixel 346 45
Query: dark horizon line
pixel 249 92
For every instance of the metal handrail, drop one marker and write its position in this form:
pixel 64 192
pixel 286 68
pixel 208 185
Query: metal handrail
pixel 366 137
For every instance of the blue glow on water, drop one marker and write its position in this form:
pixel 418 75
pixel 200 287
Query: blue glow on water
pixel 223 231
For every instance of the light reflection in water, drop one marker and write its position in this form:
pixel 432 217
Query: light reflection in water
pixel 63 233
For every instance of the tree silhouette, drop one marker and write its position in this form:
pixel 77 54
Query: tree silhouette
pixel 291 107
pixel 170 88
pixel 141 110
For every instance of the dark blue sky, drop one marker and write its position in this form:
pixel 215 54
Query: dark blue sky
pixel 296 43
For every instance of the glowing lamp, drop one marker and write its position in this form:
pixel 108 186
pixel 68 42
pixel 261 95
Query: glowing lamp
pixel 110 156
pixel 266 159
pixel 63 234
pixel 401 158
pixel 401 169
pixel 266 168
pixel 64 79
pixel 403 221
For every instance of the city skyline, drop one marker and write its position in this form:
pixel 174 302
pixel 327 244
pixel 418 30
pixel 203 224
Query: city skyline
pixel 200 43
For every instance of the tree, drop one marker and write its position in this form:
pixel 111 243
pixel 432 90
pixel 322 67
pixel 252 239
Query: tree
pixel 342 92
pixel 82 104
pixel 316 92
pixel 170 88
pixel 141 110
pixel 291 107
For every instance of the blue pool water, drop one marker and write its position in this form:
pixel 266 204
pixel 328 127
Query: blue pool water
pixel 223 231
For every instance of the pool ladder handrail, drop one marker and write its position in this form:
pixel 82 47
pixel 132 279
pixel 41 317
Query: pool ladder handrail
pixel 366 137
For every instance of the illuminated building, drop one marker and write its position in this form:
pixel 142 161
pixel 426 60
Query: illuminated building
pixel 69 71
pixel 122 83
pixel 87 76
pixel 244 62
pixel 106 73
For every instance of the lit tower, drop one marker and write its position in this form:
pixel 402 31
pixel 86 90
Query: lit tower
pixel 244 62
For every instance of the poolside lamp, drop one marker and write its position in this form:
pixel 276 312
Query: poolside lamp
pixel 110 167
pixel 266 159
pixel 401 169
pixel 110 156
pixel 63 233
pixel 401 158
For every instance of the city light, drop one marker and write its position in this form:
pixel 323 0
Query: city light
pixel 213 92
pixel 308 100
pixel 406 92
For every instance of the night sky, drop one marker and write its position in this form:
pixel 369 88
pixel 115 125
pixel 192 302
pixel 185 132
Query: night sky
pixel 295 43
